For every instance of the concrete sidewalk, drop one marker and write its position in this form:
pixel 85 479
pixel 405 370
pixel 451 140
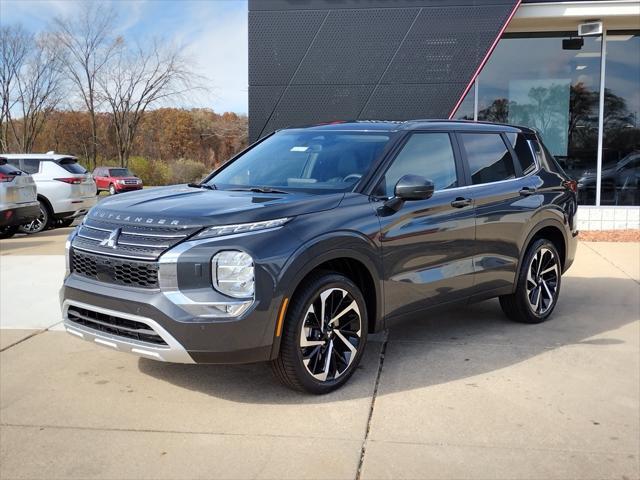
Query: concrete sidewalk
pixel 463 394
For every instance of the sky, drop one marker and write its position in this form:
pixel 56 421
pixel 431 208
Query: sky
pixel 212 32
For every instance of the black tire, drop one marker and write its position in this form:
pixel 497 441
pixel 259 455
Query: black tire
pixel 536 295
pixel 289 367
pixel 42 223
pixel 64 222
pixel 112 189
pixel 8 231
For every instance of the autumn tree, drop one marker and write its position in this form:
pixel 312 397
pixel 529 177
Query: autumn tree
pixel 89 43
pixel 15 45
pixel 38 90
pixel 137 79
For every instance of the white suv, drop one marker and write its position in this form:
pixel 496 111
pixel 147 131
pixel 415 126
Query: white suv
pixel 65 189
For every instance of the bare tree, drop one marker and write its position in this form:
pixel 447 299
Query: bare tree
pixel 15 45
pixel 38 89
pixel 89 42
pixel 137 79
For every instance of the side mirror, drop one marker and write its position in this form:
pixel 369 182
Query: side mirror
pixel 410 187
pixel 413 187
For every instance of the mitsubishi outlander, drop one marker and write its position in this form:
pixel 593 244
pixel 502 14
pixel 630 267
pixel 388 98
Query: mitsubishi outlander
pixel 312 238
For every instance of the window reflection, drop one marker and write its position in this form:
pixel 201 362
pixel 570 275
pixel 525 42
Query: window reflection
pixel 549 83
pixel 551 89
pixel 621 153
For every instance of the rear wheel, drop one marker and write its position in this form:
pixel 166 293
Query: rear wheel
pixel 8 231
pixel 112 189
pixel 324 335
pixel 64 222
pixel 39 224
pixel 538 285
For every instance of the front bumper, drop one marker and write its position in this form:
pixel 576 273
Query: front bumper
pixel 127 188
pixel 182 305
pixel 19 214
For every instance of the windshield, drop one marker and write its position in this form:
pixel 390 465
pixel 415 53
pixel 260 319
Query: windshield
pixel 305 160
pixel 120 172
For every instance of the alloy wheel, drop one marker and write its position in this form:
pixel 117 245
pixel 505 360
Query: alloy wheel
pixel 542 281
pixel 38 224
pixel 331 334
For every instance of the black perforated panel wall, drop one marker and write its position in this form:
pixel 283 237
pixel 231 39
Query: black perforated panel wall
pixel 321 60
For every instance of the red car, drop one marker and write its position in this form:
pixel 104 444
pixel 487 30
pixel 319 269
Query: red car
pixel 116 180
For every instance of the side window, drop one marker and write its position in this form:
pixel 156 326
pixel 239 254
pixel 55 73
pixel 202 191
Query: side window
pixel 488 156
pixel 429 155
pixel 523 152
pixel 14 162
pixel 30 165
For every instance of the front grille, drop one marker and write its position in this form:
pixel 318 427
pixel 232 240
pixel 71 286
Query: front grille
pixel 130 182
pixel 135 241
pixel 113 325
pixel 112 270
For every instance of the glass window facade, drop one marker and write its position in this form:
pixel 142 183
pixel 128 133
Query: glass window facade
pixel 551 82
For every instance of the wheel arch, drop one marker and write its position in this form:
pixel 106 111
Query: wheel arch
pixel 346 253
pixel 551 229
pixel 46 202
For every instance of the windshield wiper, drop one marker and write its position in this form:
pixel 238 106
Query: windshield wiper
pixel 203 185
pixel 258 190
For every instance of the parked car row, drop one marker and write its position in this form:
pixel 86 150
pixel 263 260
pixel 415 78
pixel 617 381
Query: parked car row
pixel 43 190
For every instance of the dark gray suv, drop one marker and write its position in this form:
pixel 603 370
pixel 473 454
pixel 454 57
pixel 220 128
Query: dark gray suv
pixel 312 238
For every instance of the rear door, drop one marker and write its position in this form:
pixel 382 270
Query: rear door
pixel 505 200
pixel 427 244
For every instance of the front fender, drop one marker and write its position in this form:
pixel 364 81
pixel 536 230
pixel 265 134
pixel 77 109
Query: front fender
pixel 323 248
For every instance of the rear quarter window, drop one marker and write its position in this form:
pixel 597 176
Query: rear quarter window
pixel 9 170
pixel 71 165
pixel 488 156
pixel 523 152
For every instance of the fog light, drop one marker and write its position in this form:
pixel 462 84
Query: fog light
pixel 232 274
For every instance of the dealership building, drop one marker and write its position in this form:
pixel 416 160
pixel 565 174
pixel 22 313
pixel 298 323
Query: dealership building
pixel 571 70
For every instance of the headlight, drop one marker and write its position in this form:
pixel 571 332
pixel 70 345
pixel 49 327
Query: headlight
pixel 232 274
pixel 120 181
pixel 241 228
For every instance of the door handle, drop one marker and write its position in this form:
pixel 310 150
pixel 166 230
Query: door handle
pixel 461 202
pixel 526 191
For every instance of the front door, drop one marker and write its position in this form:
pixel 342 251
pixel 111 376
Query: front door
pixel 427 244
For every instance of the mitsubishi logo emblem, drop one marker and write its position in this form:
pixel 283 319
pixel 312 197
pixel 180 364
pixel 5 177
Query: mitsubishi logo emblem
pixel 112 240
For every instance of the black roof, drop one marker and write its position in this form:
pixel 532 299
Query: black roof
pixel 394 126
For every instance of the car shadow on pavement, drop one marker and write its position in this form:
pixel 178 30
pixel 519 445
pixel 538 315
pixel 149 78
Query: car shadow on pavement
pixel 445 346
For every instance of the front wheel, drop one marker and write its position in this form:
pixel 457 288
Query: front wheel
pixel 538 285
pixel 112 189
pixel 324 334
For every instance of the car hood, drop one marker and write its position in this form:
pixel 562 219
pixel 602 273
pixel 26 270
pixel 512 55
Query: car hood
pixel 185 206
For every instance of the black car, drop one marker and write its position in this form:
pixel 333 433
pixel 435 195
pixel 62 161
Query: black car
pixel 312 238
pixel 620 183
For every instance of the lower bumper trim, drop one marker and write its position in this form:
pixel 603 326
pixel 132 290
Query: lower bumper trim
pixel 172 352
